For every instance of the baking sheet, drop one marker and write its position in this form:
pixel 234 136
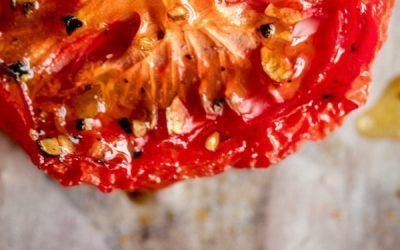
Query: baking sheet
pixel 342 193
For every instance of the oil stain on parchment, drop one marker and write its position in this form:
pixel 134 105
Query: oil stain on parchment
pixel 383 119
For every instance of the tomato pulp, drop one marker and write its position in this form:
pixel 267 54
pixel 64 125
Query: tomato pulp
pixel 138 96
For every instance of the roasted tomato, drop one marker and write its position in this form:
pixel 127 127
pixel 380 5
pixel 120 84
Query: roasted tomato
pixel 138 95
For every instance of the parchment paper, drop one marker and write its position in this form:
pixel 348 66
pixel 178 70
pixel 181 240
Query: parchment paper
pixel 340 194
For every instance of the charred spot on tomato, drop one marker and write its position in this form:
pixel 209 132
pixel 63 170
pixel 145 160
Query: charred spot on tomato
pixel 20 70
pixel 80 124
pixel 125 125
pixel 76 138
pixel 218 105
pixel 28 7
pixel 328 96
pixel 267 30
pixel 189 57
pixel 84 124
pixel 137 153
pixel 71 23
pixel 160 35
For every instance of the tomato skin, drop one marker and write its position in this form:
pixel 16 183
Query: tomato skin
pixel 258 142
pixel 95 46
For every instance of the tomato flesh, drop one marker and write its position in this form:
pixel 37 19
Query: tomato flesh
pixel 144 95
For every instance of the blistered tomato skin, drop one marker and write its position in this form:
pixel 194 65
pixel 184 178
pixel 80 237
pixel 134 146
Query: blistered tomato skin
pixel 138 96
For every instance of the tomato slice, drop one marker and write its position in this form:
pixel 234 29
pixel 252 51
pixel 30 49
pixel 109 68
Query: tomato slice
pixel 140 95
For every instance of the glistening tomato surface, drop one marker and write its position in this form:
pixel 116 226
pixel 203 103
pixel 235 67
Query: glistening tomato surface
pixel 138 95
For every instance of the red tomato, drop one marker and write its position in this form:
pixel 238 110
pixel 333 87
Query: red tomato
pixel 138 96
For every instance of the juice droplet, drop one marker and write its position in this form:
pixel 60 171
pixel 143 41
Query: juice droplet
pixel 383 119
